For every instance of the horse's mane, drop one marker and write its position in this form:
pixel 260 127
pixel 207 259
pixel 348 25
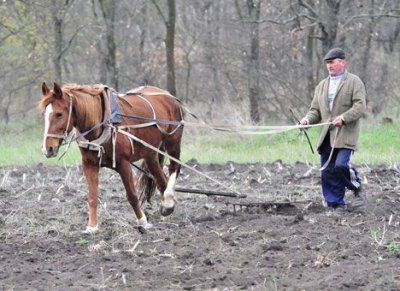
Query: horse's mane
pixel 72 89
pixel 86 89
pixel 46 100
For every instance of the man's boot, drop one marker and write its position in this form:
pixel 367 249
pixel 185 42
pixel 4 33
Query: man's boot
pixel 359 200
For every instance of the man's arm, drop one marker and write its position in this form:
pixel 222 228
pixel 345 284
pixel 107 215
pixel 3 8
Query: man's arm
pixel 358 103
pixel 314 113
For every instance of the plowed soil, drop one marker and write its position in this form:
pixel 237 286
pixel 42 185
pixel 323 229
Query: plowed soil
pixel 278 238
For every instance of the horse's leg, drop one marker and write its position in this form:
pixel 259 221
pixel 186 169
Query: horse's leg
pixel 92 178
pixel 154 167
pixel 172 146
pixel 125 171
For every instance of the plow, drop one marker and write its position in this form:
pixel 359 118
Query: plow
pixel 242 203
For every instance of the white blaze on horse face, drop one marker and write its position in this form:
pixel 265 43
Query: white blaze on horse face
pixel 169 193
pixel 47 112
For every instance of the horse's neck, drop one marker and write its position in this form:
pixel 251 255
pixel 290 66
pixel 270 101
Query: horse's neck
pixel 89 113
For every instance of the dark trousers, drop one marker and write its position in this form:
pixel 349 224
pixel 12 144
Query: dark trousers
pixel 338 175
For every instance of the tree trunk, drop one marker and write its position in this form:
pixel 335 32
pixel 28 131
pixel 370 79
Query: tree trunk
pixel 170 47
pixel 108 8
pixel 366 55
pixel 169 42
pixel 253 69
pixel 58 45
pixel 59 10
pixel 211 42
pixel 142 44
pixel 330 26
pixel 310 62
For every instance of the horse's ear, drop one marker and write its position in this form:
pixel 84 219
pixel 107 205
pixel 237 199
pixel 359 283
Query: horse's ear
pixel 45 89
pixel 57 91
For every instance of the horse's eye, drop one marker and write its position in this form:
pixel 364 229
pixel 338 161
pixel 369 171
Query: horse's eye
pixel 58 115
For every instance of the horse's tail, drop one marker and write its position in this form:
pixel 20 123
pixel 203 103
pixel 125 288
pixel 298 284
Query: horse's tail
pixel 146 185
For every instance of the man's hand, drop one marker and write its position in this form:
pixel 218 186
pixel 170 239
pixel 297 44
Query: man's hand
pixel 338 121
pixel 303 122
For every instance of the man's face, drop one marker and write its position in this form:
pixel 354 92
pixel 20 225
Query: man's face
pixel 335 67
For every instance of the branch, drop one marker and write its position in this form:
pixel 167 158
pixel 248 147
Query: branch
pixel 238 10
pixel 160 12
pixel 354 17
pixel 283 22
pixel 309 8
pixel 302 27
pixel 67 46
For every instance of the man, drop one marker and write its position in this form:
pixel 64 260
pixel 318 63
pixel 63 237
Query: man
pixel 339 99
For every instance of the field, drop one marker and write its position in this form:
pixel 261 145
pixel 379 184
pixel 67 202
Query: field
pixel 207 243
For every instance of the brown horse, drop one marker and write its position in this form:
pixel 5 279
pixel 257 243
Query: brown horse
pixel 96 112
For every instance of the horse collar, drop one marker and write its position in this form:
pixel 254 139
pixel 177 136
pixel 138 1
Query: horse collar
pixel 96 145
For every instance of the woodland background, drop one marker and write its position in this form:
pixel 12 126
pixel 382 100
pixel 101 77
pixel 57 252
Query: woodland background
pixel 230 60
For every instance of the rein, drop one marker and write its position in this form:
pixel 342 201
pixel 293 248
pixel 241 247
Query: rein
pixel 151 121
pixel 331 153
pixel 245 129
pixel 111 130
pixel 135 138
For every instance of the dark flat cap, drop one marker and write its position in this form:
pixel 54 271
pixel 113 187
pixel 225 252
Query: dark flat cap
pixel 335 53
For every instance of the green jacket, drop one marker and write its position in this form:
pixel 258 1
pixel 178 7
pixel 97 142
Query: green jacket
pixel 349 103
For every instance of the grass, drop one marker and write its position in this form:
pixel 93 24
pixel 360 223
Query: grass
pixel 393 247
pixel 20 144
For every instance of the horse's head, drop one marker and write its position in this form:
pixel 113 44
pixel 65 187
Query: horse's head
pixel 56 107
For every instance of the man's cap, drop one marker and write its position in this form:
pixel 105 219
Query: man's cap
pixel 335 53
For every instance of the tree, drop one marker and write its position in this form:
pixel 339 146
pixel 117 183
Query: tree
pixel 169 42
pixel 58 10
pixel 235 61
pixel 254 72
pixel 110 74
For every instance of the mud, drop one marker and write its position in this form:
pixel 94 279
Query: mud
pixel 208 243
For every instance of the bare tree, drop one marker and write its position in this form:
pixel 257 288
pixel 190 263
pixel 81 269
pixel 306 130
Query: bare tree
pixel 110 74
pixel 169 42
pixel 239 60
pixel 59 9
pixel 253 7
pixel 211 15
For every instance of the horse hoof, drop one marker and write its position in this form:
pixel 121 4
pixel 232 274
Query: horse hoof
pixel 91 230
pixel 166 211
pixel 142 229
pixel 144 226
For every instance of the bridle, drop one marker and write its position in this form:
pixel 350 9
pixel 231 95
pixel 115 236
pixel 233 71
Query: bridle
pixel 63 137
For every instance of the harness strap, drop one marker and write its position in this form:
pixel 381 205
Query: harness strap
pixel 331 153
pixel 135 138
pixel 141 125
pixel 114 143
pixel 94 144
pixel 97 144
pixel 256 129
pixel 155 120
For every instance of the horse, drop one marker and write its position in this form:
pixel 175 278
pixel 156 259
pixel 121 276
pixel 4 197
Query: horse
pixel 95 113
